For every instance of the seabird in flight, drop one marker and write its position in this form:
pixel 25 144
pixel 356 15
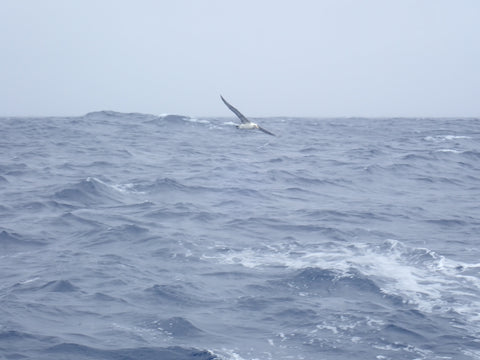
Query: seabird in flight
pixel 246 124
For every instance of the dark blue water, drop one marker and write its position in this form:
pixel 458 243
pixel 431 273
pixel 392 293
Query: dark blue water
pixel 129 236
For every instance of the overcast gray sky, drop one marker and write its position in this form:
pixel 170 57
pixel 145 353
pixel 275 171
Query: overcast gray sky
pixel 267 57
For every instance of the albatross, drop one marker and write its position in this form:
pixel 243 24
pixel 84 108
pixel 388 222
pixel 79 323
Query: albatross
pixel 245 123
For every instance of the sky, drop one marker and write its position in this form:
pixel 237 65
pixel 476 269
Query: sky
pixel 302 58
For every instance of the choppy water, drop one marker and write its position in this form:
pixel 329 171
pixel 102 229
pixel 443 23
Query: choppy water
pixel 128 236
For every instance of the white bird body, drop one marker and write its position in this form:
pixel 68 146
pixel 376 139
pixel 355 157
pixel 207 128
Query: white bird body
pixel 248 126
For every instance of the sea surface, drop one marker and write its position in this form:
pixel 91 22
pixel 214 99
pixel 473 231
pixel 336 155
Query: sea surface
pixel 134 236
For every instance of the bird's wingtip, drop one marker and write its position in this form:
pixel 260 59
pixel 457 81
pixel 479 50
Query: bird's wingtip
pixel 266 131
pixel 224 101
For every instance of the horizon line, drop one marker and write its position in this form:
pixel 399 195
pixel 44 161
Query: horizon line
pixel 259 117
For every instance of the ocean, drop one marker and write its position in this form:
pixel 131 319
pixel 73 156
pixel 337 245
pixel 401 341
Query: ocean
pixel 135 236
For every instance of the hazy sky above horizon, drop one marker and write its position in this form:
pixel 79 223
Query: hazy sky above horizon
pixel 267 57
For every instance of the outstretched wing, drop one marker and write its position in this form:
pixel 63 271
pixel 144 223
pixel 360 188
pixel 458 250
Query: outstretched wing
pixel 265 131
pixel 242 118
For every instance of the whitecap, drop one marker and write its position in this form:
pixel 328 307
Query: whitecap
pixel 195 120
pixel 127 188
pixel 455 137
pixel 441 138
pixel 453 151
pixel 420 276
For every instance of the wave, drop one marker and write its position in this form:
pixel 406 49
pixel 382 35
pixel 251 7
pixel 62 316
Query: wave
pixel 472 154
pixel 167 185
pixel 14 169
pixel 15 344
pixel 103 113
pixel 69 350
pixel 106 114
pixel 175 326
pixel 314 281
pixel 418 157
pixel 331 281
pixel 306 180
pixel 59 286
pixel 449 151
pixel 56 286
pixel 172 120
pixel 90 191
pixel 442 138
pixel 173 294
pixel 419 276
pixel 448 223
pixel 14 335
pixel 312 230
pixel 351 216
pixel 106 235
pixel 391 169
pixel 11 242
pixel 69 221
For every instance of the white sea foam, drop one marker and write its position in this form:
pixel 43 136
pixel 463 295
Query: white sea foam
pixel 200 121
pixel 440 138
pixel 128 188
pixel 419 275
pixel 229 354
pixel 454 151
pixel 29 280
pixel 455 137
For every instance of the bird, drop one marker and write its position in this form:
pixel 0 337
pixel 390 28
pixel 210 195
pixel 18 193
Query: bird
pixel 245 123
